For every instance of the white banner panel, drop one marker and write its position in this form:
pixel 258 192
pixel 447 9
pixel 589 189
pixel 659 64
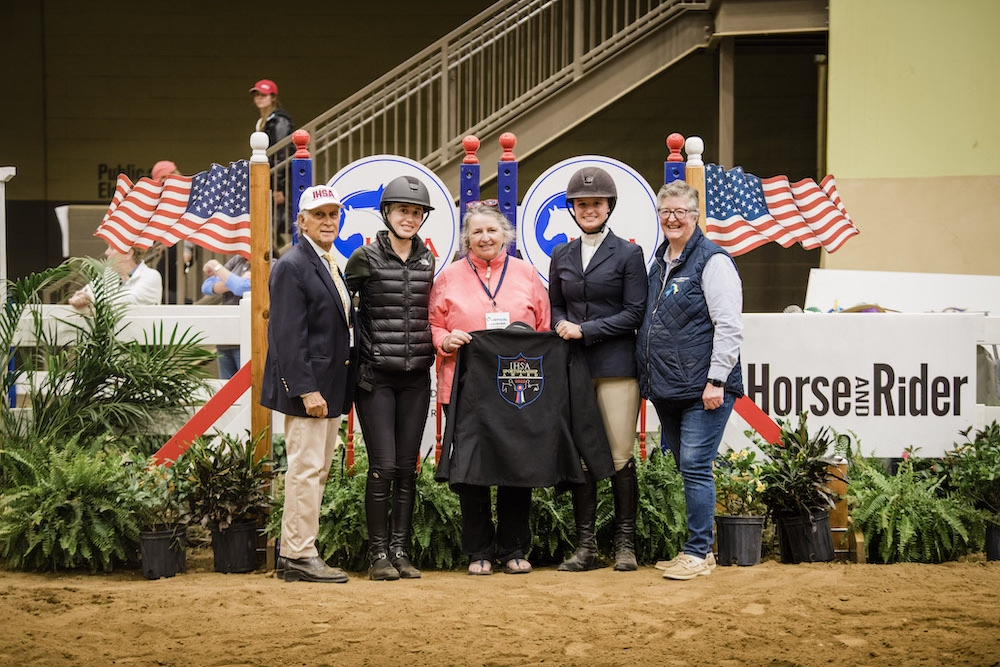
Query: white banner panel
pixel 903 292
pixel 896 380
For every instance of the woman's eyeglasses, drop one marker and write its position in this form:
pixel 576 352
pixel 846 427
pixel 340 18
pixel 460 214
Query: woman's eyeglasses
pixel 679 213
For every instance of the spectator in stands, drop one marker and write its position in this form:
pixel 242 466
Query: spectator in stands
pixel 128 279
pixel 167 263
pixel 232 281
pixel 162 169
pixel 277 124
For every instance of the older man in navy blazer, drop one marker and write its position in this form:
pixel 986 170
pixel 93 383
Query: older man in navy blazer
pixel 597 287
pixel 308 376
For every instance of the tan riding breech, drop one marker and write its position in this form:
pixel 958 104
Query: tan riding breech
pixel 618 401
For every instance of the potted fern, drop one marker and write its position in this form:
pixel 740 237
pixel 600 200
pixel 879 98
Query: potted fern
pixel 907 516
pixel 228 494
pixel 797 490
pixel 973 469
pixel 65 507
pixel 162 515
pixel 740 508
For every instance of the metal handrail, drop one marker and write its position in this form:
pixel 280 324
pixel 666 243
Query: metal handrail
pixel 475 79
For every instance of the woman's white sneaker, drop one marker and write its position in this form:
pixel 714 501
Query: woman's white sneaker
pixel 667 564
pixel 686 566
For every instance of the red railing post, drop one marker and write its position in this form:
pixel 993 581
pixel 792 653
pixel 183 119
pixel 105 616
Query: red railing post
pixel 350 443
pixel 642 429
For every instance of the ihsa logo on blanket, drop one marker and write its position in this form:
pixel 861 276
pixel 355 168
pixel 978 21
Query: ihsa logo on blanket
pixel 520 379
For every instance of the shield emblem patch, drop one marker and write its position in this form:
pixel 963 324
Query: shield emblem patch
pixel 519 379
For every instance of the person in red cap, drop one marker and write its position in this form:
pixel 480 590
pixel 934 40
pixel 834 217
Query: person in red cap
pixel 277 124
pixel 162 169
pixel 166 264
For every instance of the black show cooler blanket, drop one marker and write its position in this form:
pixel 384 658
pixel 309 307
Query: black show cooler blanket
pixel 522 413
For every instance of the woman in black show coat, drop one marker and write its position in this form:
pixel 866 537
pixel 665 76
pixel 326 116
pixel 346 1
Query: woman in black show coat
pixel 597 287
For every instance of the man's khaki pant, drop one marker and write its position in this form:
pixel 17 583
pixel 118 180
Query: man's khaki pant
pixel 310 444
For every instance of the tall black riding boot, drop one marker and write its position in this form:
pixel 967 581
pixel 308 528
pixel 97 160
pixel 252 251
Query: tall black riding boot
pixel 376 506
pixel 402 516
pixel 625 485
pixel 585 511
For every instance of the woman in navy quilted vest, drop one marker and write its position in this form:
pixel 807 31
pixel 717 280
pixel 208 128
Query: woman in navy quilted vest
pixel 392 277
pixel 688 352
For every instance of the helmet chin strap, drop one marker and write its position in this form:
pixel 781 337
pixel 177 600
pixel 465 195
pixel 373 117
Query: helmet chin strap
pixel 599 230
pixel 393 231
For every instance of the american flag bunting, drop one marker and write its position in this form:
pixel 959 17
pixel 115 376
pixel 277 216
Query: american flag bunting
pixel 210 209
pixel 744 212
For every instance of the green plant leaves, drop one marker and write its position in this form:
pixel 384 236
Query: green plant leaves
pixel 224 482
pixel 739 486
pixel 661 524
pixel 99 384
pixel 799 469
pixel 907 517
pixel 72 515
pixel 973 470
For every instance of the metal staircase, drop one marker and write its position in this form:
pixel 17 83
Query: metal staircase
pixel 534 67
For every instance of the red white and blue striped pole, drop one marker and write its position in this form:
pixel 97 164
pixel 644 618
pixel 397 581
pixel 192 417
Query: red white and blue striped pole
pixel 673 168
pixel 507 183
pixel 302 176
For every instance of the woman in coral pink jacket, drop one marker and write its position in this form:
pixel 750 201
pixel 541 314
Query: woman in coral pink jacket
pixel 487 289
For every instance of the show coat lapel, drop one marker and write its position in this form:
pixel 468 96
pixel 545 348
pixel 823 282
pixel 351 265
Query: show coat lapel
pixel 323 269
pixel 604 251
pixel 575 254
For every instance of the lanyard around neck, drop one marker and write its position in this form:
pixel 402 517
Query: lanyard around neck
pixel 492 296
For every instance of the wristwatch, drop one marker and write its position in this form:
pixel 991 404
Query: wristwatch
pixel 717 383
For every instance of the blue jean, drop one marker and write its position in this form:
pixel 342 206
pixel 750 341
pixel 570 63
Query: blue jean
pixel 693 434
pixel 229 360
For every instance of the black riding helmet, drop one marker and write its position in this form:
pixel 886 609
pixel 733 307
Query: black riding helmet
pixel 591 182
pixel 404 190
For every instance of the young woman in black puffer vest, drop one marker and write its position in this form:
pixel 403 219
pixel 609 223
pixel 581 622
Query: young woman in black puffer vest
pixel 392 277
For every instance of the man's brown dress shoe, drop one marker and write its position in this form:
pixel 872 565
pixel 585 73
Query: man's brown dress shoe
pixel 313 569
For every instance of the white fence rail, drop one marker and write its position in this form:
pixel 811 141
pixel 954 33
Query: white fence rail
pixel 218 325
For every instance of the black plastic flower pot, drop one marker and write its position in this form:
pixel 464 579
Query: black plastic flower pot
pixel 163 552
pixel 992 541
pixel 803 541
pixel 739 539
pixel 235 548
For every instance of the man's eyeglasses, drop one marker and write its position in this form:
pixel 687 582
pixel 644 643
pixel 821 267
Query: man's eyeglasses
pixel 679 213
